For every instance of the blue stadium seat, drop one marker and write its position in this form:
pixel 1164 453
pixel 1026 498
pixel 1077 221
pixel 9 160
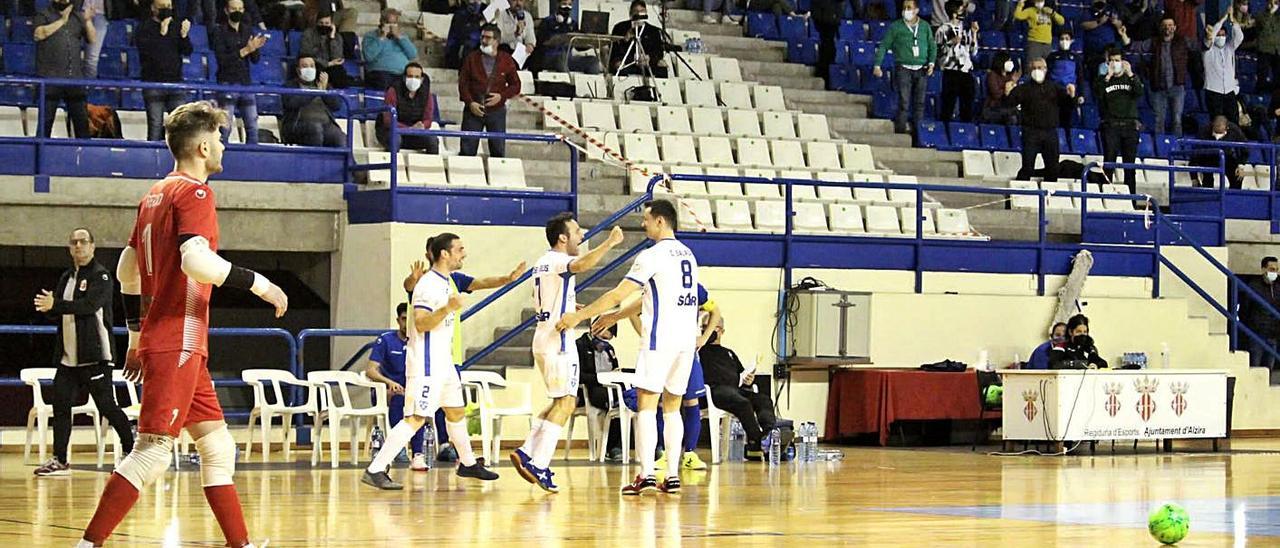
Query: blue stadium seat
pixel 133 62
pixel 878 29
pixel 803 6
pixel 862 54
pixel 294 43
pixel 843 78
pixel 793 27
pixel 1064 143
pixel 199 37
pixel 104 97
pixel 884 104
pixel 119 35
pixel 352 66
pixel 1089 117
pixel 1165 144
pixel 1017 39
pixel 932 135
pixel 111 64
pixel 20 58
pixel 851 31
pixel 275 46
pixel 193 67
pixel 933 84
pixel 1248 82
pixel 22 30
pixel 993 137
pixel 1015 137
pixel 843 50
pixel 131 99
pixel 268 70
pixel 991 39
pixel 762 25
pixel 1084 141
pixel 1246 64
pixel 803 51
pixel 964 136
pixel 269 104
pixel 1146 146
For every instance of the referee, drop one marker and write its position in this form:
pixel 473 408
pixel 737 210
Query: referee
pixel 82 306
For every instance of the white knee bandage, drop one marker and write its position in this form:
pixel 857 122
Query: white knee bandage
pixel 148 460
pixel 217 457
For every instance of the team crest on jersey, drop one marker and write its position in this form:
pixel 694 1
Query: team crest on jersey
pixel 84 285
pixel 200 193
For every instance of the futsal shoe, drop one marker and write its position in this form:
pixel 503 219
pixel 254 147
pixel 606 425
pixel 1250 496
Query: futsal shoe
pixel 447 454
pixel 419 463
pixel 544 479
pixel 521 461
pixel 690 461
pixel 640 486
pixel 670 486
pixel 613 455
pixel 476 471
pixel 660 464
pixel 380 480
pixel 52 468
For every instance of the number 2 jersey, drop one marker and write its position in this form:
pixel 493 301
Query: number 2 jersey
pixel 668 275
pixel 553 295
pixel 432 349
pixel 175 308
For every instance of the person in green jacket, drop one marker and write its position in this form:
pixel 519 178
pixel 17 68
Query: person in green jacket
pixel 1118 91
pixel 914 52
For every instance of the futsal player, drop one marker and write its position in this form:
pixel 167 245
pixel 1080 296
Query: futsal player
pixel 432 378
pixel 555 353
pixel 667 274
pixel 167 274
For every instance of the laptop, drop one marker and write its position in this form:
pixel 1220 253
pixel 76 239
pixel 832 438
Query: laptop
pixel 595 22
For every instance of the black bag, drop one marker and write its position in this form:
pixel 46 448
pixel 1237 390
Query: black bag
pixel 555 89
pixel 648 94
pixel 945 366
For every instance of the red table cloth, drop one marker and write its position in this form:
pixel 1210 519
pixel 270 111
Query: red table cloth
pixel 861 401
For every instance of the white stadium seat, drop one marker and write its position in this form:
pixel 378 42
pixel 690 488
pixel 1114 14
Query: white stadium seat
pixel 563 109
pixel 834 193
pixel 779 125
pixel 635 118
pixel 699 208
pixel 977 163
pixel 467 171
pixel 909 221
pixel 953 222
pixel 744 123
pixel 591 86
pixel 736 95
pixel 425 170
pixel 771 215
pixel 725 69
pixel 1116 204
pixel 597 116
pixel 687 188
pixel 669 91
pixel 1007 164
pixel 733 215
pixel 813 126
pixel 883 220
pixel 810 217
pixel 823 155
pixel 846 218
pixel 1024 201
pixel 768 98
pixel 787 154
pixel 700 93
pixel 639 147
pixel 673 120
pixel 679 149
pixel 753 152
pixel 716 151
pixel 857 157
pixel 723 189
pixel 507 173
pixel 708 121
pixel 697 62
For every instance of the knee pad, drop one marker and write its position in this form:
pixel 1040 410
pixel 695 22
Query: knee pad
pixel 217 457
pixel 148 460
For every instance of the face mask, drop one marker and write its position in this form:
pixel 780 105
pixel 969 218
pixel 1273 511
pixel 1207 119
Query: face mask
pixel 1038 75
pixel 488 50
pixel 1065 44
pixel 639 17
pixel 1008 66
pixel 308 74
pixel 1272 7
pixel 235 16
pixel 909 14
pixel 715 337
pixel 1058 339
pixel 1271 276
pixel 324 30
pixel 412 84
pixel 1219 41
pixel 566 11
pixel 59 6
pixel 1117 66
pixel 1039 5
pixel 164 13
pixel 1083 341
pixel 1217 135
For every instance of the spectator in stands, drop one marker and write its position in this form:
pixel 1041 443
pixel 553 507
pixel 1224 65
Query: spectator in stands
pixel 1079 350
pixel 1038 103
pixel 1185 16
pixel 1248 24
pixel 1040 356
pixel 487 80
pixel 825 16
pixel 516 26
pixel 386 52
pixel 1100 31
pixel 554 52
pixel 914 52
pixel 1040 18
pixel 720 11
pixel 283 14
pixel 98 9
pixel 957 43
pixel 162 43
pixel 1118 93
pixel 236 48
pixel 215 13
pixel 323 45
pixel 1222 129
pixel 1221 89
pixel 778 7
pixel 414 104
pixel 623 60
pixel 61 33
pixel 308 119
pixel 1268 27
pixel 946 11
pixel 1001 78
pixel 596 355
pixel 344 19
pixel 386 365
pixel 733 390
pixel 1065 69
pixel 1166 72
pixel 464 32
pixel 1261 320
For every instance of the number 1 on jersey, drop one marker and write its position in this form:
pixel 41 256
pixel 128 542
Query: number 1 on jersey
pixel 146 248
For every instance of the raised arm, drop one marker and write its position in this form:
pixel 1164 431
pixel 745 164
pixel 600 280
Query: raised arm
pixel 592 258
pixel 491 282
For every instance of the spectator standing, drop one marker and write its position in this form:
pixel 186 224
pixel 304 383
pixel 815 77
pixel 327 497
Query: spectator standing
pixel 386 365
pixel 1065 70
pixel 84 350
pixel 236 47
pixel 464 32
pixel 61 33
pixel 1038 103
pixel 415 106
pixel 283 14
pixel 215 13
pixel 323 45
pixel 1259 319
pixel 516 26
pixel 386 51
pixel 914 51
pixel 488 78
pixel 733 390
pixel 721 11
pixel 623 59
pixel 825 16
pixel 1221 129
pixel 1184 14
pixel 1040 18
pixel 956 46
pixel 1001 78
pixel 1040 356
pixel 1167 71
pixel 1221 89
pixel 1268 28
pixel 558 57
pixel 1118 92
pixel 162 44
pixel 93 47
pixel 945 11
pixel 308 119
pixel 1100 31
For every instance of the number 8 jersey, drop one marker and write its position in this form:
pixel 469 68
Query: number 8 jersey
pixel 668 274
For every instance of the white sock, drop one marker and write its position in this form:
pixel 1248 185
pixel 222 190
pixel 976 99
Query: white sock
pixel 461 441
pixel 546 448
pixel 646 440
pixel 396 439
pixel 673 438
pixel 535 434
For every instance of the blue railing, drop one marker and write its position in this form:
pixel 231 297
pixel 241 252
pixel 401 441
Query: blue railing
pixel 1171 170
pixel 1268 150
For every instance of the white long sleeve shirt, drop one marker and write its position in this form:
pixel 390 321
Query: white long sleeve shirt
pixel 1220 62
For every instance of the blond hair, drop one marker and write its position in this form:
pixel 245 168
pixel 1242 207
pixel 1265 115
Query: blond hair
pixel 188 122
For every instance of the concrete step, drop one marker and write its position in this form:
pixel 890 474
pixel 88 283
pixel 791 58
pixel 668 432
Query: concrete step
pixel 851 111
pixel 853 126
pixel 751 69
pixel 716 43
pixel 1000 224
pixel 508 355
pixel 789 83
pixel 820 95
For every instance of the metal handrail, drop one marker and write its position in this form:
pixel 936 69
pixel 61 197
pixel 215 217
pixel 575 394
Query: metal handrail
pixel 1270 149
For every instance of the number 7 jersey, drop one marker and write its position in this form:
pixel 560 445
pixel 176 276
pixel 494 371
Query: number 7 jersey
pixel 668 275
pixel 175 308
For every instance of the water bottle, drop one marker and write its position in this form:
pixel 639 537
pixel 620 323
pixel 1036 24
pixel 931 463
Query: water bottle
pixel 375 443
pixel 429 448
pixel 801 439
pixel 811 442
pixel 737 441
pixel 774 442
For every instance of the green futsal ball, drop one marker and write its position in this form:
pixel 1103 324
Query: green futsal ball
pixel 994 395
pixel 1168 524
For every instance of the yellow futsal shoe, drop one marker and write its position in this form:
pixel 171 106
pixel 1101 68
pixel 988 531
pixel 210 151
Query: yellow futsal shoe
pixel 690 461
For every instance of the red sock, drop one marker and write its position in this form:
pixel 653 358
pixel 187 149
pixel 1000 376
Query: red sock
pixel 225 504
pixel 117 499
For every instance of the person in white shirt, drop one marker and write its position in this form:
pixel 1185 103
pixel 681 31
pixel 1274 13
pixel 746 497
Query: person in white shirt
pixel 1221 89
pixel 667 274
pixel 517 28
pixel 555 353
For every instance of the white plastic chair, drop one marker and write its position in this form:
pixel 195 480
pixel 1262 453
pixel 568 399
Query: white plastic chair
pixel 264 409
pixel 718 420
pixel 332 394
pixel 595 423
pixel 491 416
pixel 617 382
pixel 41 413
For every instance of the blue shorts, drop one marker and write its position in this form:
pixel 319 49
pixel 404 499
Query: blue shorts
pixel 697 386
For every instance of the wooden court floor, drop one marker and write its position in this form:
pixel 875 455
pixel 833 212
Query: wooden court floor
pixel 875 497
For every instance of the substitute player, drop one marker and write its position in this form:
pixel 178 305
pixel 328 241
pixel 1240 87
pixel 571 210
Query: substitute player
pixel 555 353
pixel 430 358
pixel 667 273
pixel 166 274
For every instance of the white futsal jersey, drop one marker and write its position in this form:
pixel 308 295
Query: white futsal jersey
pixel 432 349
pixel 553 295
pixel 668 274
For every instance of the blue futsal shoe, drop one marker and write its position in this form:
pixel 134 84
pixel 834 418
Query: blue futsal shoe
pixel 544 479
pixel 524 466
